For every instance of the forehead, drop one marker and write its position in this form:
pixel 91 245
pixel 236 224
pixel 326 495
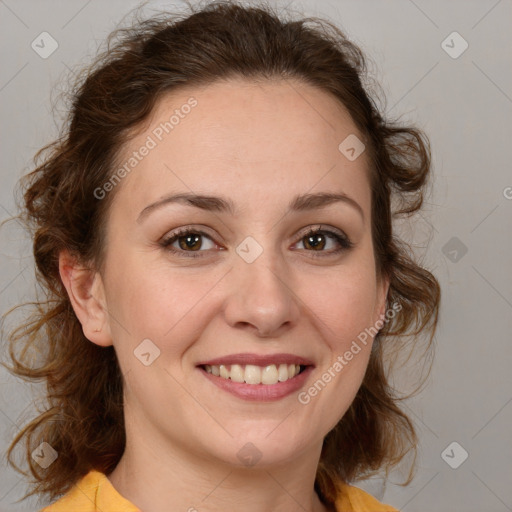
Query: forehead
pixel 266 139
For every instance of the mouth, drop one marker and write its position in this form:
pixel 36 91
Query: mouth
pixel 253 374
pixel 256 377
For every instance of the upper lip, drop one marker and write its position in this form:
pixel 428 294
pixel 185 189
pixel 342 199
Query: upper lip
pixel 258 360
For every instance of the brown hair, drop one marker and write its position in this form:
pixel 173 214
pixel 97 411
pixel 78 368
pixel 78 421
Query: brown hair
pixel 83 420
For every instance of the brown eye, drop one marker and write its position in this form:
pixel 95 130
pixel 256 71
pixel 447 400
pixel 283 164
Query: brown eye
pixel 323 242
pixel 315 241
pixel 189 241
pixel 192 241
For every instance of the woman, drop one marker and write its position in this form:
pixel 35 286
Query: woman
pixel 224 288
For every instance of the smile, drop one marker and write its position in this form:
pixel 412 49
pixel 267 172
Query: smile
pixel 258 377
pixel 252 374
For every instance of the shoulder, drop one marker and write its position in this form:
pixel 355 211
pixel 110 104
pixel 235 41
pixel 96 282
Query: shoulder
pixel 354 499
pixel 93 493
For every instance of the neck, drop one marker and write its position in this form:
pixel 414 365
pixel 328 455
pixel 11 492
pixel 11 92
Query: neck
pixel 152 478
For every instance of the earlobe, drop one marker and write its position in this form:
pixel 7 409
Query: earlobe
pixel 87 296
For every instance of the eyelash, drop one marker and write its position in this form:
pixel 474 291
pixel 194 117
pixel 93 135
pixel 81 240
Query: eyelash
pixel 343 241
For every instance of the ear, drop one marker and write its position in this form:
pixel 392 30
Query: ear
pixel 381 298
pixel 87 295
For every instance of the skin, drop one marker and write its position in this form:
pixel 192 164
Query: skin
pixel 258 144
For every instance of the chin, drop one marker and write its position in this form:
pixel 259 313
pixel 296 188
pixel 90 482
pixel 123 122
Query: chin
pixel 257 448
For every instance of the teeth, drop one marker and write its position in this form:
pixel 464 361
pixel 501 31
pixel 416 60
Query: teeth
pixel 237 373
pixel 282 373
pixel 269 375
pixel 223 372
pixel 251 374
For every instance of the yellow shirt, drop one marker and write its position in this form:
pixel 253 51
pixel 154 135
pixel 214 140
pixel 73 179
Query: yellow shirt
pixel 95 493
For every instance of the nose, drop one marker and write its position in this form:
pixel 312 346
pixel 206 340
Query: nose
pixel 261 298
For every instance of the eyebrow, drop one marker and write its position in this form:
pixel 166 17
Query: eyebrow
pixel 300 203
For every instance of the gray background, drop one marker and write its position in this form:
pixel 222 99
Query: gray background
pixel 464 104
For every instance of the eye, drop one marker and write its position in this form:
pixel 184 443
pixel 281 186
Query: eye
pixel 316 240
pixel 189 241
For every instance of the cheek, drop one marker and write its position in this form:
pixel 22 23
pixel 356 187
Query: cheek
pixel 343 318
pixel 170 308
pixel 344 306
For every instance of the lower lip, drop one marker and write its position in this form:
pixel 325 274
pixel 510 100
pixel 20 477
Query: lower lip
pixel 260 392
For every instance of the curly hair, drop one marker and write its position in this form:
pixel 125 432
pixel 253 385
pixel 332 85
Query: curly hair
pixel 83 418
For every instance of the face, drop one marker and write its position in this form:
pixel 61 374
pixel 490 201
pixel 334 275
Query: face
pixel 215 304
